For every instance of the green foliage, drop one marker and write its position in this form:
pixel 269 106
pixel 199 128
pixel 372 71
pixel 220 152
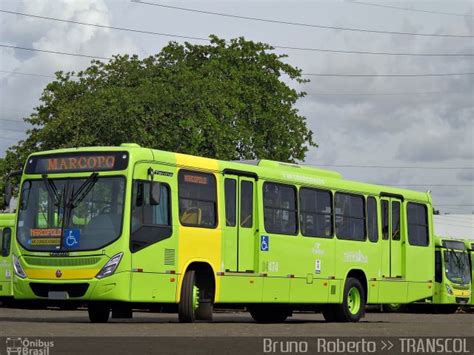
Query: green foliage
pixel 224 100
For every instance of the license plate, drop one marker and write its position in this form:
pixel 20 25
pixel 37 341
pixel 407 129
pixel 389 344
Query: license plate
pixel 58 295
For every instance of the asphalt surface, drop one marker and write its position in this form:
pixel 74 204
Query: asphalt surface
pixel 45 323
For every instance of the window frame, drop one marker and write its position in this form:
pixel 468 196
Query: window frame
pixel 399 235
pixel 296 210
pixel 160 226
pixel 331 197
pixel 427 225
pixel 251 183
pixel 363 218
pixel 215 202
pixel 370 197
pixel 226 204
pixel 385 218
pixel 7 248
pixel 81 175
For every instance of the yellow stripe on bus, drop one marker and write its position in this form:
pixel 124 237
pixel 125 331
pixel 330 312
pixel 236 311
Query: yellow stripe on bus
pixel 64 274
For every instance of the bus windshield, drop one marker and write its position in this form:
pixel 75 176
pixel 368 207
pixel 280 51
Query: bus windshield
pixel 70 214
pixel 457 266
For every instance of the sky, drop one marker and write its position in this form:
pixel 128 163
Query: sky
pixel 406 123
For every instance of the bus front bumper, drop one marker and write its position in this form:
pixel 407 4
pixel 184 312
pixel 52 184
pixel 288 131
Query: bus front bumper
pixel 111 288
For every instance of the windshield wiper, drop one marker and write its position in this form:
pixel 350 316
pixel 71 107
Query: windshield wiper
pixel 459 264
pixel 83 190
pixel 75 200
pixel 52 190
pixel 57 198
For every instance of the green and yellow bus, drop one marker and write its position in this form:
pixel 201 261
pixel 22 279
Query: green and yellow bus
pixel 470 249
pixel 7 227
pixel 452 275
pixel 122 228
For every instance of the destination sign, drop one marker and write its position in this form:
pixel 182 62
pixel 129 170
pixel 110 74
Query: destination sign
pixel 76 162
pixel 195 179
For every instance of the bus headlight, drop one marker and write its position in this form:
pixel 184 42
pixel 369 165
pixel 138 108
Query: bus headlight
pixel 17 267
pixel 110 267
pixel 449 290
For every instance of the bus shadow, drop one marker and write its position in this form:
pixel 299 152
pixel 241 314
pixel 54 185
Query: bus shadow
pixel 164 320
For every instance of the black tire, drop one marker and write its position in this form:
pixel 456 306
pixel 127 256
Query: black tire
pixel 98 312
pixel 329 313
pixel 204 310
pixel 186 307
pixel 348 311
pixel 269 314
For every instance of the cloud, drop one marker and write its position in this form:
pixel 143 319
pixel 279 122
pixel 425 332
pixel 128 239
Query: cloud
pixel 434 128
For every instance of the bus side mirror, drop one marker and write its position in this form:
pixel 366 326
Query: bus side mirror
pixel 8 194
pixel 6 241
pixel 155 193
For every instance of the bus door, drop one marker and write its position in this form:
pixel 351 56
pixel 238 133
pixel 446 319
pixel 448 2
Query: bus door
pixel 5 262
pixel 391 238
pixel 395 238
pixel 239 235
pixel 152 244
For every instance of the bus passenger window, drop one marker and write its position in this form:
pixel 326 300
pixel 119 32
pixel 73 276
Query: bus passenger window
pixel 150 223
pixel 417 220
pixel 197 195
pixel 230 200
pixel 350 216
pixel 246 204
pixel 395 220
pixel 384 219
pixel 279 202
pixel 316 213
pixel 372 219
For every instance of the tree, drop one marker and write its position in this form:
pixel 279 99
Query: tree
pixel 224 100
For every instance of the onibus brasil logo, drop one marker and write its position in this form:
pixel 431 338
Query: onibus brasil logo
pixel 25 346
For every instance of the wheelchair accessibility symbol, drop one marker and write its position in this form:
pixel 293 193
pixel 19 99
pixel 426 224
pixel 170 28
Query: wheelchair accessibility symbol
pixel 71 238
pixel 264 243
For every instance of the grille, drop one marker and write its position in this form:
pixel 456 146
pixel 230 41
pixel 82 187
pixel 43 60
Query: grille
pixel 169 256
pixel 53 261
pixel 73 290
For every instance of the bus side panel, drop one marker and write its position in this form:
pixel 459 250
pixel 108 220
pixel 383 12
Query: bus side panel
pixel 309 290
pixel 393 291
pixel 240 289
pixel 276 290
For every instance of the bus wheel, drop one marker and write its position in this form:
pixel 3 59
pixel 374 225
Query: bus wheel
pixel 98 312
pixel 352 308
pixel 269 314
pixel 189 302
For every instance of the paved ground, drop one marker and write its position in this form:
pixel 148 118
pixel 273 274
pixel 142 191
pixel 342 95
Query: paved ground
pixel 14 322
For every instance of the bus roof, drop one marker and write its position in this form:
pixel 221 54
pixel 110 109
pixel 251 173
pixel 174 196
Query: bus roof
pixel 266 169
